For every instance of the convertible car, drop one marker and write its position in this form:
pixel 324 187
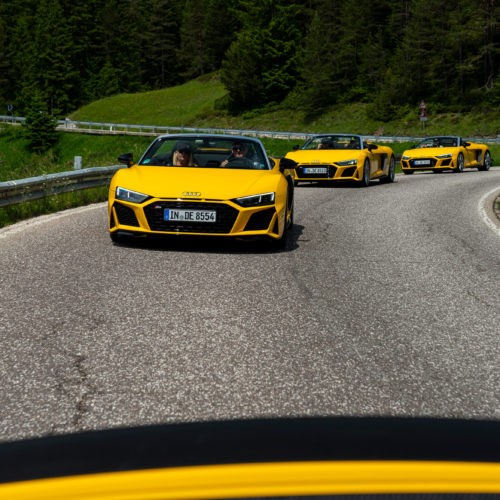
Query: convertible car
pixel 446 153
pixel 342 157
pixel 212 185
pixel 294 458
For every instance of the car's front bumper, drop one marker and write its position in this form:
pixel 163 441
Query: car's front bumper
pixel 328 172
pixel 414 164
pixel 231 220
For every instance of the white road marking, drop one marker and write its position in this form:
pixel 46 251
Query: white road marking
pixel 484 214
pixel 19 227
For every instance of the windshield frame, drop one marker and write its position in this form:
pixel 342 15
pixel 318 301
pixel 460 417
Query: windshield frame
pixel 315 137
pixel 256 145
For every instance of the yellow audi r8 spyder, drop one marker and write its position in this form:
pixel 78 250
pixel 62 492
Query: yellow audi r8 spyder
pixel 446 153
pixel 201 184
pixel 322 458
pixel 342 157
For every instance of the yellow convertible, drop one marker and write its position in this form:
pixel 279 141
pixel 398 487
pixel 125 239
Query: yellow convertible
pixel 446 153
pixel 342 157
pixel 210 185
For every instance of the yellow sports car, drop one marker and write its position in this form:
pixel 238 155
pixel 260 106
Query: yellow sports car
pixel 211 185
pixel 446 153
pixel 342 157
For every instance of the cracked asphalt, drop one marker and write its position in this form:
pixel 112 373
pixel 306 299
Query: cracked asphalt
pixel 386 302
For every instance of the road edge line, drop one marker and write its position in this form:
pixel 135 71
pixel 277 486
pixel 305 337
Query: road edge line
pixel 486 210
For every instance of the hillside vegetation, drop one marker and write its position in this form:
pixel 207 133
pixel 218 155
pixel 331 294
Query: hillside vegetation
pixel 194 104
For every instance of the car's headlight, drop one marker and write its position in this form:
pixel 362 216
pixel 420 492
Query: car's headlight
pixel 347 162
pixel 255 200
pixel 404 157
pixel 449 155
pixel 129 195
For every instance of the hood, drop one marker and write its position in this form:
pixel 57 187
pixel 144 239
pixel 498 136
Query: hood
pixel 427 152
pixel 211 183
pixel 324 155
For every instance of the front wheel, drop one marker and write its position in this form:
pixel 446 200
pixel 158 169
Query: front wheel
pixel 281 243
pixel 391 173
pixel 365 180
pixel 486 162
pixel 460 164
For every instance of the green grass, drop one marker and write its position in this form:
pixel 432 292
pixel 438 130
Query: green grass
pixel 176 106
pixel 95 150
pixel 15 213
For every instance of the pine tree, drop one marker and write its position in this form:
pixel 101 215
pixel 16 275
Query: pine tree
pixel 39 126
pixel 54 74
pixel 193 55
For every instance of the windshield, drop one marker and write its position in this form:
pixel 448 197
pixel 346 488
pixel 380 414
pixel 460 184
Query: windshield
pixel 438 142
pixel 334 142
pixel 207 152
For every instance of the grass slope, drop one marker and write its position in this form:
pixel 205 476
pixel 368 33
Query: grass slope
pixel 194 104
pixel 175 106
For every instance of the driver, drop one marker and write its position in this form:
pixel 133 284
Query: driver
pixel 239 152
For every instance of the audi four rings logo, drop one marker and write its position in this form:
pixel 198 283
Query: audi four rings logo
pixel 191 193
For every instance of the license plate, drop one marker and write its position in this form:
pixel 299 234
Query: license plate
pixel 173 214
pixel 316 170
pixel 422 162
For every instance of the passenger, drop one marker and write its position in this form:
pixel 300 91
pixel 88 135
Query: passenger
pixel 325 143
pixel 353 143
pixel 239 153
pixel 183 155
pixel 435 143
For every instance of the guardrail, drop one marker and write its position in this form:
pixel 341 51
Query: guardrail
pixel 155 130
pixel 33 188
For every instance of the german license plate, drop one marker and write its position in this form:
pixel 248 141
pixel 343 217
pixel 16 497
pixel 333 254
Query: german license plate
pixel 422 162
pixel 315 170
pixel 173 214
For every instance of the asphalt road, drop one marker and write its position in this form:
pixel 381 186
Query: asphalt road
pixel 387 302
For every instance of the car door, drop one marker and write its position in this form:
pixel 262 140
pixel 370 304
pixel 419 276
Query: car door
pixel 469 155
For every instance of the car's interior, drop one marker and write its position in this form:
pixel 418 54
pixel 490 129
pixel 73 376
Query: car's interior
pixel 206 153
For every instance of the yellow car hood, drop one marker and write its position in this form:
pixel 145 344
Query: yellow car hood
pixel 211 183
pixel 426 152
pixel 324 156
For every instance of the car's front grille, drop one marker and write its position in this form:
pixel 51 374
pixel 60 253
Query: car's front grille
pixel 331 169
pixel 432 163
pixel 126 216
pixel 260 220
pixel 225 217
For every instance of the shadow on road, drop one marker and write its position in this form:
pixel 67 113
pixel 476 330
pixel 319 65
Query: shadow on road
pixel 212 244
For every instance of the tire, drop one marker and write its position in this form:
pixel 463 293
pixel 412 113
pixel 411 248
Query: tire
pixel 365 181
pixel 486 162
pixel 392 172
pixel 460 164
pixel 281 243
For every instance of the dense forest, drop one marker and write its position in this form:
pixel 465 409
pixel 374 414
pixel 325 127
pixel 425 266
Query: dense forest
pixel 303 53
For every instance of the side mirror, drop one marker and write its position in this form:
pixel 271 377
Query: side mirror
pixel 272 161
pixel 126 159
pixel 371 147
pixel 466 144
pixel 296 147
pixel 287 164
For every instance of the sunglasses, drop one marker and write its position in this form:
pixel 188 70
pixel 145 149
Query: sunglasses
pixel 238 148
pixel 184 151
